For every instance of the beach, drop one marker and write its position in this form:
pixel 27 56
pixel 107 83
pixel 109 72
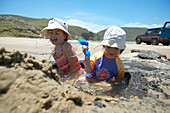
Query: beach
pixel 30 84
pixel 42 48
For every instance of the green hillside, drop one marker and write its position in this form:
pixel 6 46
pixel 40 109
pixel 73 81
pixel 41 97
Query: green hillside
pixel 19 26
pixel 16 26
pixel 131 32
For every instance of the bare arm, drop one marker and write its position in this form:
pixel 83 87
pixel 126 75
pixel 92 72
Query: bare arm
pixel 71 56
pixel 88 68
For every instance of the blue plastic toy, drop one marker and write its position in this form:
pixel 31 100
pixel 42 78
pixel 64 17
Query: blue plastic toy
pixel 84 42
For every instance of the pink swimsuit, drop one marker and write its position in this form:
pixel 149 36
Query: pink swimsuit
pixel 63 63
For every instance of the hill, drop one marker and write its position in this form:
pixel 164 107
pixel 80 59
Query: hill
pixel 131 32
pixel 19 26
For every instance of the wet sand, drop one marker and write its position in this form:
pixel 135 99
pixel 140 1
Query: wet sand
pixel 28 85
pixel 42 48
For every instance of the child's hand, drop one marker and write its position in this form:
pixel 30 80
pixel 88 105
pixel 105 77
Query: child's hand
pixel 83 48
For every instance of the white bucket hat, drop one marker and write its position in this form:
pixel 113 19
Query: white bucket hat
pixel 56 23
pixel 115 37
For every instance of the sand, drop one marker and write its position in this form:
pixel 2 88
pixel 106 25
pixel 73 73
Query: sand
pixel 42 48
pixel 30 86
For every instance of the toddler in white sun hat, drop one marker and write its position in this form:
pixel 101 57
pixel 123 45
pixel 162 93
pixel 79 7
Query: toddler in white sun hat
pixel 106 64
pixel 115 37
pixel 64 54
pixel 56 23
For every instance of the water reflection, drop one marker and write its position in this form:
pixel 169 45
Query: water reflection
pixel 109 88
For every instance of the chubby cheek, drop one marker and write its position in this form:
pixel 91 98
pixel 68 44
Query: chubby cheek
pixel 50 38
pixel 115 52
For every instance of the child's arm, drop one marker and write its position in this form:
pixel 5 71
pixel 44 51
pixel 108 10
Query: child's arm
pixel 88 68
pixel 71 56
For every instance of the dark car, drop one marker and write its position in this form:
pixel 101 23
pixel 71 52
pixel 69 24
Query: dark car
pixel 151 36
pixel 165 34
pixel 155 36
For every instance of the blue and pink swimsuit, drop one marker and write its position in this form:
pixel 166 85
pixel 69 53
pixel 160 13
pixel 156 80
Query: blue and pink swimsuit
pixel 105 67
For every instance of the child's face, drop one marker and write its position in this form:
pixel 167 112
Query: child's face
pixel 56 36
pixel 112 51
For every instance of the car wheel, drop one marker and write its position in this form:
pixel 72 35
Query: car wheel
pixel 148 43
pixel 154 42
pixel 166 43
pixel 138 41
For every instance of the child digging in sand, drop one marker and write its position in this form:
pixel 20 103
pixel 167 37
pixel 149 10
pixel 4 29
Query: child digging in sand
pixel 106 64
pixel 64 55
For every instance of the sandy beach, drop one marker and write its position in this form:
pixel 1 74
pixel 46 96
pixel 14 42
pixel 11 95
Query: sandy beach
pixel 29 84
pixel 42 48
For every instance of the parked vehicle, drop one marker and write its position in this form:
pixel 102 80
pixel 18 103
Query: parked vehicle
pixel 165 34
pixel 155 36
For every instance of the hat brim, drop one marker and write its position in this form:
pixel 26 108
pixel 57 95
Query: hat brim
pixel 114 43
pixel 45 30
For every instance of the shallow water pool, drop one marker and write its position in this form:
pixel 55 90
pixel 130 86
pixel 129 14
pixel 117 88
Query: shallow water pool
pixel 109 88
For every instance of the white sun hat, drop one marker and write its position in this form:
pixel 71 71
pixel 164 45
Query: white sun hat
pixel 114 37
pixel 56 23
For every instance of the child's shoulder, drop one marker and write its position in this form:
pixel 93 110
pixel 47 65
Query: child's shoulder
pixel 98 54
pixel 67 46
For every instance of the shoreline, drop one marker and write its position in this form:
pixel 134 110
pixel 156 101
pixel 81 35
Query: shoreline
pixel 42 48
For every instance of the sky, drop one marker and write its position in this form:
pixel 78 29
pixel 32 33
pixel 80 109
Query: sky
pixel 94 15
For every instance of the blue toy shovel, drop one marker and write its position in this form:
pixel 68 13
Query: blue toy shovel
pixel 84 42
